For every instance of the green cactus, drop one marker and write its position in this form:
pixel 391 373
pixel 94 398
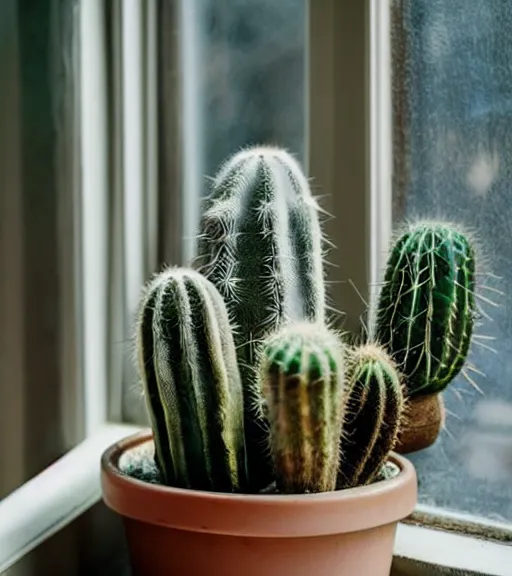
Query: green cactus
pixel 301 373
pixel 260 243
pixel 192 385
pixel 373 415
pixel 427 306
pixel 244 382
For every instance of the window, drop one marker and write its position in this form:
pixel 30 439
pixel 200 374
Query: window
pixel 452 96
pixel 113 116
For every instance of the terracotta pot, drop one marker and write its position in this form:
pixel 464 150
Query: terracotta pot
pixel 424 420
pixel 179 532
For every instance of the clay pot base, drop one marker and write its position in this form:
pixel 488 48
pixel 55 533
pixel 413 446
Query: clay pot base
pixel 424 420
pixel 138 463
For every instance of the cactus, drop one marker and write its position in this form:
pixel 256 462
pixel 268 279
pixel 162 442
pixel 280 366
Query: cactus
pixel 373 414
pixel 192 385
pixel 260 243
pixel 427 307
pixel 245 383
pixel 301 373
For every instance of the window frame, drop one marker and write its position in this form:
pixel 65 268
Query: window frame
pixel 348 44
pixel 94 211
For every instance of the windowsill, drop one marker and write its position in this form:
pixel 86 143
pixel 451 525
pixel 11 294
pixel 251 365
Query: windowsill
pixel 451 550
pixel 48 503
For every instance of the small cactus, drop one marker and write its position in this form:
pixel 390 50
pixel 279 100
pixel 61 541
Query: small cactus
pixel 191 381
pixel 260 243
pixel 373 414
pixel 427 306
pixel 301 373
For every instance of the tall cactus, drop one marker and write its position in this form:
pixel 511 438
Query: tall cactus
pixel 192 385
pixel 427 306
pixel 373 415
pixel 260 243
pixel 301 373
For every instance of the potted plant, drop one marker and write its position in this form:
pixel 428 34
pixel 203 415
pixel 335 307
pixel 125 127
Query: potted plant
pixel 271 442
pixel 425 320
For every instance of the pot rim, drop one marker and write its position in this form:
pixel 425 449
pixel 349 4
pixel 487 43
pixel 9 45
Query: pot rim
pixel 256 515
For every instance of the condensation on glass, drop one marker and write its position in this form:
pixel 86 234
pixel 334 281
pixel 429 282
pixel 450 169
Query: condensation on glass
pixel 452 107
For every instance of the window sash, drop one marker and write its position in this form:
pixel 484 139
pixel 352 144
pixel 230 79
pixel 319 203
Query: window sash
pixel 338 145
pixel 94 209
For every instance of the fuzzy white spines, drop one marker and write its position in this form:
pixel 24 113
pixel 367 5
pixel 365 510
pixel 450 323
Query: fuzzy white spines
pixel 427 305
pixel 260 243
pixel 302 376
pixel 192 386
pixel 261 217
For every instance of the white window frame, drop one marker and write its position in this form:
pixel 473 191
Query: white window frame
pixel 94 210
pixel 54 498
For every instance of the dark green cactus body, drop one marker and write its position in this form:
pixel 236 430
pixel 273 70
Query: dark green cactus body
pixel 191 381
pixel 373 415
pixel 427 306
pixel 260 243
pixel 301 374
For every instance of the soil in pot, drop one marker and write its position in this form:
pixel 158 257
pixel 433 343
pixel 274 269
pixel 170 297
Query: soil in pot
pixel 193 533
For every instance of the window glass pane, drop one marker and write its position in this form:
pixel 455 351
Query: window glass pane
pixel 453 160
pixel 253 76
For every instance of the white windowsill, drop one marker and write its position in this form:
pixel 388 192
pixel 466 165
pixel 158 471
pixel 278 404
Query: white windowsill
pixel 50 501
pixel 451 550
pixel 62 492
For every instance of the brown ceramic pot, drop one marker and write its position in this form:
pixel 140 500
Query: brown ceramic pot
pixel 179 532
pixel 424 420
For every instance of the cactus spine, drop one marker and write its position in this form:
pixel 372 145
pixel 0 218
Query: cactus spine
pixel 373 414
pixel 427 306
pixel 260 244
pixel 191 381
pixel 301 373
